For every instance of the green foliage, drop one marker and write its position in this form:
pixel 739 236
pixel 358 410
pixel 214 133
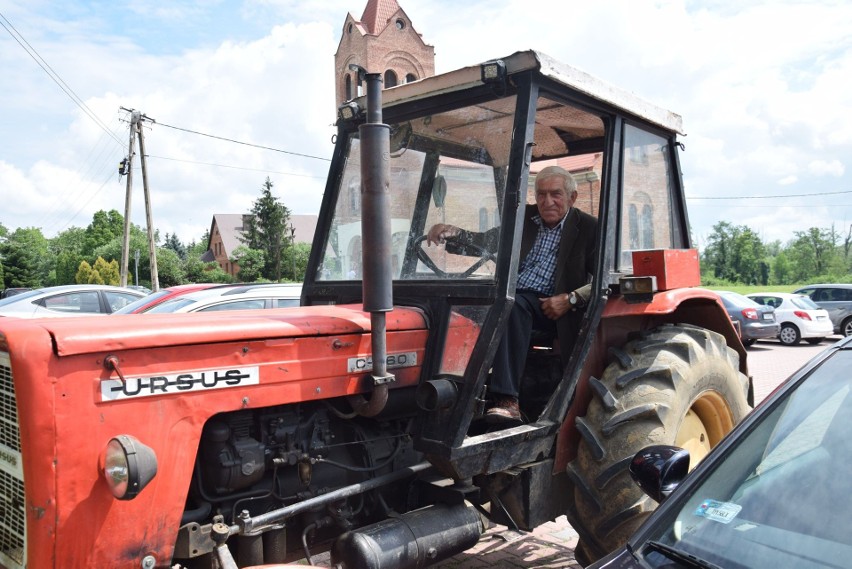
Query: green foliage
pixel 172 242
pixel 25 258
pixel 67 249
pixel 105 227
pixel 301 252
pixel 107 271
pixel 84 271
pixel 265 229
pixel 736 254
pixel 169 268
pixel 251 262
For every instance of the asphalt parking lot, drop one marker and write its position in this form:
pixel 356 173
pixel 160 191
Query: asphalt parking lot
pixel 552 545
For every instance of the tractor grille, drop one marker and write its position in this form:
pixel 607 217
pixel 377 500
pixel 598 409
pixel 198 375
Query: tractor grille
pixel 13 528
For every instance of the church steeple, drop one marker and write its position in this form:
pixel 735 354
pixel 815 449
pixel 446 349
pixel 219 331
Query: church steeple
pixel 382 41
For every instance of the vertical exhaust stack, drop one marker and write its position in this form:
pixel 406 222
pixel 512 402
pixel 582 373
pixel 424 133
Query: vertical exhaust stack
pixel 376 240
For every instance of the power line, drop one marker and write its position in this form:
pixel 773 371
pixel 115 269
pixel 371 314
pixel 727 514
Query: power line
pixel 767 197
pixel 31 51
pixel 244 143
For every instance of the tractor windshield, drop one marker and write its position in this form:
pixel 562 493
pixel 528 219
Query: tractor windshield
pixel 447 167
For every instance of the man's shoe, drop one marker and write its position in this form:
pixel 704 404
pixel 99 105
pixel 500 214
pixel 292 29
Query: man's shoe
pixel 504 409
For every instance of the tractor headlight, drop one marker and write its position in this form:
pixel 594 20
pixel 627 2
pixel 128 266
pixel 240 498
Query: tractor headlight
pixel 128 466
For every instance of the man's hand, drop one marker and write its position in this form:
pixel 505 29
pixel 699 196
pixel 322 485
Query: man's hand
pixel 555 306
pixel 440 232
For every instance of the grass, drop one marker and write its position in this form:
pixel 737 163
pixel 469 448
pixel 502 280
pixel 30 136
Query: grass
pixel 748 289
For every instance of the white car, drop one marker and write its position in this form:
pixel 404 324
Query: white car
pixel 68 300
pixel 799 316
pixel 233 297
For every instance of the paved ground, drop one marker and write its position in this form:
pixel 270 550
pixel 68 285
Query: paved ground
pixel 552 545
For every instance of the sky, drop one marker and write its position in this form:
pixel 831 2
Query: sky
pixel 764 89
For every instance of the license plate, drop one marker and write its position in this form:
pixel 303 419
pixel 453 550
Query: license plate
pixel 769 317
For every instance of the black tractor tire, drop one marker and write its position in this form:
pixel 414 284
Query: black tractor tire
pixel 678 385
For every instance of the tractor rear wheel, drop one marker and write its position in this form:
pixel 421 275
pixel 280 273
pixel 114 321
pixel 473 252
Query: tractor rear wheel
pixel 677 385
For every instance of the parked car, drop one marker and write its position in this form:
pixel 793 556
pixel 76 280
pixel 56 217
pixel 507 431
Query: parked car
pixel 755 321
pixel 837 299
pixel 68 300
pixel 798 316
pixel 12 291
pixel 151 300
pixel 233 297
pixel 769 496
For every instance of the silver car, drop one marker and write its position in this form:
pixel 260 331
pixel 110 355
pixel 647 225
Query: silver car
pixel 233 297
pixel 68 300
pixel 837 300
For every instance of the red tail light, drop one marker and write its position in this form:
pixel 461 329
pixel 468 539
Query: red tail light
pixel 750 313
pixel 802 314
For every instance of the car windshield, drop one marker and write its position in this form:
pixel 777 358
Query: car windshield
pixel 19 297
pixel 804 302
pixel 779 496
pixel 170 306
pixel 130 308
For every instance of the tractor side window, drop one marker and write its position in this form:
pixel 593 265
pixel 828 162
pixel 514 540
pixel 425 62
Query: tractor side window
pixel 646 207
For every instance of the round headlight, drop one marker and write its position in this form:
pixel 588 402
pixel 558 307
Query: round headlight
pixel 128 466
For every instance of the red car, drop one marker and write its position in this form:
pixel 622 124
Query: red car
pixel 148 302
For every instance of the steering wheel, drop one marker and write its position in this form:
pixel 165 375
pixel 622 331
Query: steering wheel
pixel 475 251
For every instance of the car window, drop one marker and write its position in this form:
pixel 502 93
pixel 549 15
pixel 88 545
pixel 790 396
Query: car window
pixel 19 297
pixel 245 304
pixel 841 294
pixel 137 302
pixel 775 496
pixel 73 302
pixel 804 302
pixel 286 302
pixel 169 306
pixel 118 300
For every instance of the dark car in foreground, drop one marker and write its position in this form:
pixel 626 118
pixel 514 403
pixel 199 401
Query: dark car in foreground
pixel 774 494
pixel 755 321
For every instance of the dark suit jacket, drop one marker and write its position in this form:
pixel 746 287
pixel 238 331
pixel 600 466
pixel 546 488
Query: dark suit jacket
pixel 575 261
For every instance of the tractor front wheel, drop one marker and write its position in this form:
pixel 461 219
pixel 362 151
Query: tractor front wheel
pixel 677 385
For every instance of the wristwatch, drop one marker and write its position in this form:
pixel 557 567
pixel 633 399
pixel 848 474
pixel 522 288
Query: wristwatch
pixel 574 299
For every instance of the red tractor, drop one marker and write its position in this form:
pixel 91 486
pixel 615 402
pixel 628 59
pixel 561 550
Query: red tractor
pixel 352 423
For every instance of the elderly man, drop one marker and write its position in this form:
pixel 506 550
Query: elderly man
pixel 557 257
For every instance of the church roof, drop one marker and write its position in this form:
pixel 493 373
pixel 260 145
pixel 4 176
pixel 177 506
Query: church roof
pixel 377 13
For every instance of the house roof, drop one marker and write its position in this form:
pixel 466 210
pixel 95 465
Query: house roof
pixel 230 226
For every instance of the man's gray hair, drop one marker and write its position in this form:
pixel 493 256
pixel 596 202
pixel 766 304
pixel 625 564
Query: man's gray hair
pixel 568 182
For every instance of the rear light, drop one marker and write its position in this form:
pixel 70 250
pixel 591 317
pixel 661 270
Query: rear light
pixel 802 314
pixel 750 313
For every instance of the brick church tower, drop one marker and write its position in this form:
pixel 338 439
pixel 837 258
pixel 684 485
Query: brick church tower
pixel 382 41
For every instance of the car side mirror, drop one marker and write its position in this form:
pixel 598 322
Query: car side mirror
pixel 659 470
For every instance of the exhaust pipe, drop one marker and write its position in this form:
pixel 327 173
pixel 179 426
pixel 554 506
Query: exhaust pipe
pixel 377 284
pixel 410 541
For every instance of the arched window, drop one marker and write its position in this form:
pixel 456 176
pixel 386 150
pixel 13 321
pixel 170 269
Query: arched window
pixel 390 78
pixel 647 227
pixel 633 225
pixel 348 87
pixel 410 77
pixel 483 219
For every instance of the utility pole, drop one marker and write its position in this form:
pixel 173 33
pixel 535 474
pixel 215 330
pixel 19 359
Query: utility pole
pixel 149 218
pixel 293 250
pixel 136 120
pixel 127 169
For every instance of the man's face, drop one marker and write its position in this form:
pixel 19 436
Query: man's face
pixel 552 201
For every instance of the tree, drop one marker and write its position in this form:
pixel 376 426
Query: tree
pixel 84 272
pixel 105 227
pixel 67 249
pixel 108 271
pixel 197 271
pixel 251 262
pixel 812 253
pixel 172 242
pixel 265 230
pixel 301 251
pixel 25 258
pixel 169 267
